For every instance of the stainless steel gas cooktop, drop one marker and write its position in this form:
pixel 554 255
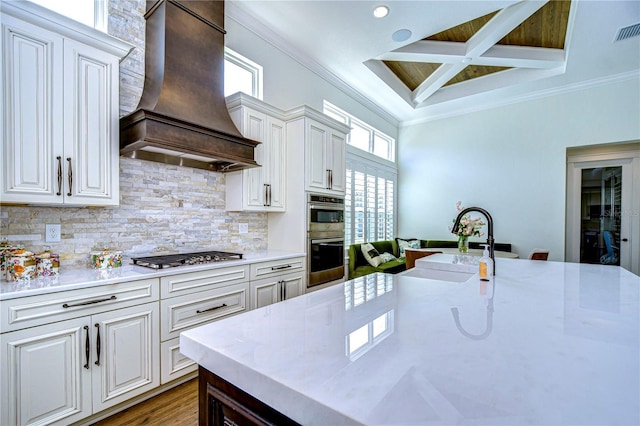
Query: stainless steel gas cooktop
pixel 171 260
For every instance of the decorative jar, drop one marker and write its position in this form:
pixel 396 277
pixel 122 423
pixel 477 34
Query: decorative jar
pixel 47 264
pixel 21 265
pixel 106 258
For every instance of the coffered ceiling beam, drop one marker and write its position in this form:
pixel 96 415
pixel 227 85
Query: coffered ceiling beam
pixel 390 79
pixel 487 84
pixel 492 32
pixel 499 55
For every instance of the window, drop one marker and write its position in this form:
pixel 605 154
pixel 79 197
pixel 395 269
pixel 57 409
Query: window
pixel 371 181
pixel 91 13
pixel 369 201
pixel 241 75
pixel 363 136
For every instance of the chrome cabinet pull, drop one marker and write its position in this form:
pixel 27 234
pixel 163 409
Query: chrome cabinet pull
pixel 90 302
pixel 284 290
pixel 70 176
pixel 98 345
pixel 328 179
pixel 87 348
pixel 210 309
pixel 277 268
pixel 59 175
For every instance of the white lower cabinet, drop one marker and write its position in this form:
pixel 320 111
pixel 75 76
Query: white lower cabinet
pixel 62 372
pixel 196 299
pixel 277 280
pixel 127 361
pixel 44 379
pixel 68 355
pixel 276 289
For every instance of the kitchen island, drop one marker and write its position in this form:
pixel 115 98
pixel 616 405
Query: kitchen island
pixel 544 343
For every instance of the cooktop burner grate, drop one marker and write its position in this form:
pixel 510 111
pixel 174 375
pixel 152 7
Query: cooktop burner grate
pixel 197 258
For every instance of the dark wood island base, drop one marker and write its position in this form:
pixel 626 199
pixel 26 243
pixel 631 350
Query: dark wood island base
pixel 221 403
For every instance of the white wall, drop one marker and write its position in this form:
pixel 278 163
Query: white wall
pixel 289 84
pixel 509 160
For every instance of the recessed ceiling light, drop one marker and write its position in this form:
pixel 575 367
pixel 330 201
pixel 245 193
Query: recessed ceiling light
pixel 401 35
pixel 380 11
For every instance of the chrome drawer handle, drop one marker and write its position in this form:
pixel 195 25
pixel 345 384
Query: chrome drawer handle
pixel 90 302
pixel 210 309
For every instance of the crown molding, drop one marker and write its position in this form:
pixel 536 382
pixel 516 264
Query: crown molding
pixel 235 12
pixel 539 94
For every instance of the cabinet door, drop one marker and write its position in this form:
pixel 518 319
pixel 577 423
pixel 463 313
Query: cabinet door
pixel 46 374
pixel 265 292
pixel 32 131
pixel 126 361
pixel 254 127
pixel 276 170
pixel 91 126
pixel 338 162
pixel 316 169
pixel 293 284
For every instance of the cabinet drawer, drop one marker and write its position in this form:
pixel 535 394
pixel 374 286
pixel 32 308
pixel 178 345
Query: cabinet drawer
pixel 183 312
pixel 277 267
pixel 47 308
pixel 177 285
pixel 173 363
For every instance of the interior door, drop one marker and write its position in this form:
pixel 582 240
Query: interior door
pixel 601 200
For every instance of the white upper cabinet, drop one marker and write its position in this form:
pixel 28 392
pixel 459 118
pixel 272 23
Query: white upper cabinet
pixel 324 141
pixel 60 101
pixel 259 188
pixel 325 159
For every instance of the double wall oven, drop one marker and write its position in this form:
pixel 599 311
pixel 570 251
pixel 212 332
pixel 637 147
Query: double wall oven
pixel 325 235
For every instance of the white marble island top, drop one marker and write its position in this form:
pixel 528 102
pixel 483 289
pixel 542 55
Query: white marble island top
pixel 548 343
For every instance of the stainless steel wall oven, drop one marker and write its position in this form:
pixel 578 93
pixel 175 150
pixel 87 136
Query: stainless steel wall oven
pixel 325 234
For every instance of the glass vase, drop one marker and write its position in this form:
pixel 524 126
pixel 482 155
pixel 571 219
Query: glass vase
pixel 463 244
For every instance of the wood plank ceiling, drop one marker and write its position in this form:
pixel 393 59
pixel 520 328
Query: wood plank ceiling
pixel 546 28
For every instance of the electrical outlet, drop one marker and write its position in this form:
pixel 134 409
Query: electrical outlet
pixel 243 228
pixel 52 233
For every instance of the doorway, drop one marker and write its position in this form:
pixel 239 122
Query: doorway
pixel 603 206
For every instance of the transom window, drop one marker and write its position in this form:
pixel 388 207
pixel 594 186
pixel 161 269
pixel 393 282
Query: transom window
pixel 241 75
pixel 90 12
pixel 362 135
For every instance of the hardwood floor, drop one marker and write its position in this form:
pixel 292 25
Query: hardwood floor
pixel 177 407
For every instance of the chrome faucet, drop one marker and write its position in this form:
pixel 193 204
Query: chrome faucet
pixel 490 240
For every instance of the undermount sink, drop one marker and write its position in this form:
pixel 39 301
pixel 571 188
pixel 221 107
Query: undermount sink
pixel 435 274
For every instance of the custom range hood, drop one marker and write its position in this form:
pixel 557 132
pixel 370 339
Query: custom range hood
pixel 182 117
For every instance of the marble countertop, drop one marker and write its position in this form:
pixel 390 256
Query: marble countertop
pixel 72 279
pixel 544 343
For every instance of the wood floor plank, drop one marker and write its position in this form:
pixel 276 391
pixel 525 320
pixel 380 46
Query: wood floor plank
pixel 175 407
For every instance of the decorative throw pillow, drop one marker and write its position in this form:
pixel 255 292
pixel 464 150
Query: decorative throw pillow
pixel 371 254
pixel 403 244
pixel 387 257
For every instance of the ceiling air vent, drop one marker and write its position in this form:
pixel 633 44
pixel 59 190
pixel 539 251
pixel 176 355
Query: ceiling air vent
pixel 628 32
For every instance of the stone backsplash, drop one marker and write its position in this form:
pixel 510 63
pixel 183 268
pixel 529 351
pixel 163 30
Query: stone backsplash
pixel 162 207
